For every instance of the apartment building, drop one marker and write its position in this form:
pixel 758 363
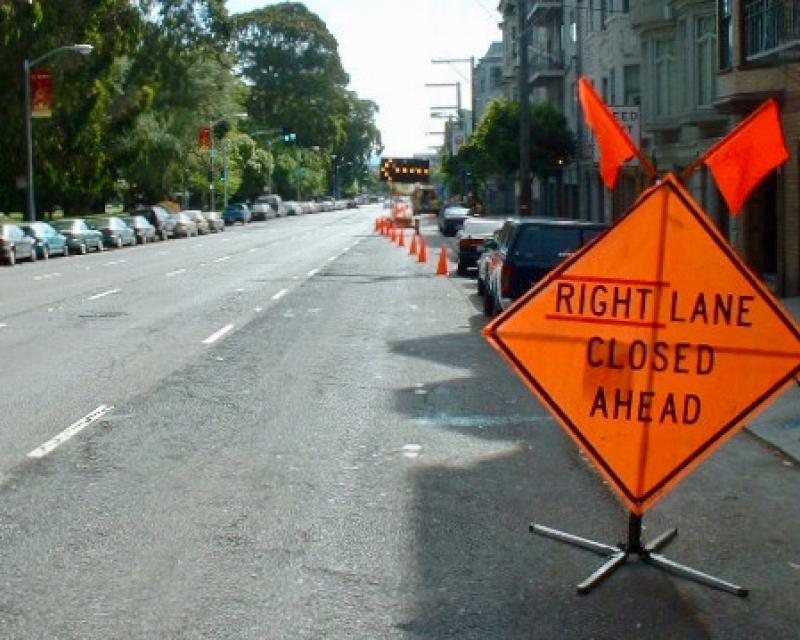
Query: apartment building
pixel 487 80
pixel 759 58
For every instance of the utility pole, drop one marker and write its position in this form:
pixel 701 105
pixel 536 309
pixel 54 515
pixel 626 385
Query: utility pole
pixel 524 112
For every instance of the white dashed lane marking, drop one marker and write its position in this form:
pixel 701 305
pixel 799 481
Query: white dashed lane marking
pixel 70 431
pixel 218 334
pixel 97 296
pixel 280 294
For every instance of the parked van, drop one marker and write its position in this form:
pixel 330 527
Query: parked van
pixel 527 250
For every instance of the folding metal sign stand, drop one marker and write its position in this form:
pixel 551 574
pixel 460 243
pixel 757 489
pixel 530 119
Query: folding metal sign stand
pixel 618 555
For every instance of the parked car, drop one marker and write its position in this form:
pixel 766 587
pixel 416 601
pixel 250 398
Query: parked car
pixel 528 248
pixel 238 212
pixel 485 252
pixel 81 237
pixel 293 208
pixel 268 206
pixel 15 244
pixel 215 221
pixel 451 219
pixel 145 232
pixel 197 217
pixel 160 218
pixel 115 232
pixel 184 226
pixel 48 241
pixel 470 238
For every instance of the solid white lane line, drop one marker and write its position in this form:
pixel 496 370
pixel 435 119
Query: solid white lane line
pixel 176 272
pixel 104 294
pixel 71 430
pixel 312 273
pixel 280 294
pixel 332 258
pixel 218 334
pixel 222 259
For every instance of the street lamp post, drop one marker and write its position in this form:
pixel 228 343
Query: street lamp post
pixel 211 126
pixel 27 65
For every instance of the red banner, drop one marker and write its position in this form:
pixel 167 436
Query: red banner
pixel 41 93
pixel 205 138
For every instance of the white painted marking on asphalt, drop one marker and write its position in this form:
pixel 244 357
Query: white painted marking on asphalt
pixel 332 258
pixel 312 273
pixel 252 250
pixel 345 250
pixel 218 334
pixel 280 294
pixel 47 276
pixel 175 273
pixel 71 430
pixel 239 290
pixel 222 259
pixel 163 253
pixel 3 325
pixel 104 294
pixel 258 309
pixel 412 447
pixel 113 262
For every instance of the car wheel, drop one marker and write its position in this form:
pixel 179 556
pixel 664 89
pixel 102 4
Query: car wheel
pixel 144 239
pixel 164 234
pixel 100 247
pixel 481 287
pixel 83 249
pixel 118 242
pixel 11 260
pixel 45 252
pixel 461 270
pixel 65 253
pixel 33 254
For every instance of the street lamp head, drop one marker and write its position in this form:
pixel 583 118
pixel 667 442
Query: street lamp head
pixel 83 49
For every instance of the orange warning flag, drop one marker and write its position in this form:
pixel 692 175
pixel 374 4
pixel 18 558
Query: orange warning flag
pixel 748 154
pixel 616 146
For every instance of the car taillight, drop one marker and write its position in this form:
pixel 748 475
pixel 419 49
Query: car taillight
pixel 505 279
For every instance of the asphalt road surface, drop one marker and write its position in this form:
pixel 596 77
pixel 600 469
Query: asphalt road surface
pixel 294 430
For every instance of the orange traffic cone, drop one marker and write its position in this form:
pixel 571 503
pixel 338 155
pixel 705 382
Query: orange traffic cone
pixel 413 249
pixel 393 234
pixel 423 250
pixel 441 269
pixel 402 241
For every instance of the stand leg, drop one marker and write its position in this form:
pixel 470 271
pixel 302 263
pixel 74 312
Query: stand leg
pixel 603 572
pixel 656 544
pixel 693 574
pixel 584 543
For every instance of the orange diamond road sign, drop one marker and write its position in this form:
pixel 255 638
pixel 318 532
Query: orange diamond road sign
pixel 652 345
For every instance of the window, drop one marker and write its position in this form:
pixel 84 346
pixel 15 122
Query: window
pixel 663 72
pixel 766 24
pixel 633 93
pixel 612 86
pixel 705 38
pixel 725 12
pixel 591 15
pixel 495 78
pixel 605 90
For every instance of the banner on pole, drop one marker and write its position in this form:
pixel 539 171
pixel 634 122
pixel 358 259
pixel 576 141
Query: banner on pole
pixel 41 93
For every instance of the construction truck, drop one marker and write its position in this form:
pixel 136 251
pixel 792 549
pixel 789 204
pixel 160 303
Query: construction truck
pixel 425 199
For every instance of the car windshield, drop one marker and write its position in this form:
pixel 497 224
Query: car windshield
pixel 65 225
pixel 456 212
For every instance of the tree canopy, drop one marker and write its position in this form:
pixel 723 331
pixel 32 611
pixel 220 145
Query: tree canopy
pixel 126 118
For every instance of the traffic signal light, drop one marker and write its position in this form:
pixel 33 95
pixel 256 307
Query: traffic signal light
pixel 288 135
pixel 405 170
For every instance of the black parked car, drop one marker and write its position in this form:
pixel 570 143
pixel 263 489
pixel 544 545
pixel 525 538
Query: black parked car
pixel 527 249
pixel 160 218
pixel 15 245
pixel 470 239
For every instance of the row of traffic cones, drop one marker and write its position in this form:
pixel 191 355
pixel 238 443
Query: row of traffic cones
pixel 417 247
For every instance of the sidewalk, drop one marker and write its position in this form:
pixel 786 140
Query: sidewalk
pixel 779 424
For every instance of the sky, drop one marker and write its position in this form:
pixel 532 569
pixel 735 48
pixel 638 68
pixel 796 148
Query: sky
pixel 386 47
